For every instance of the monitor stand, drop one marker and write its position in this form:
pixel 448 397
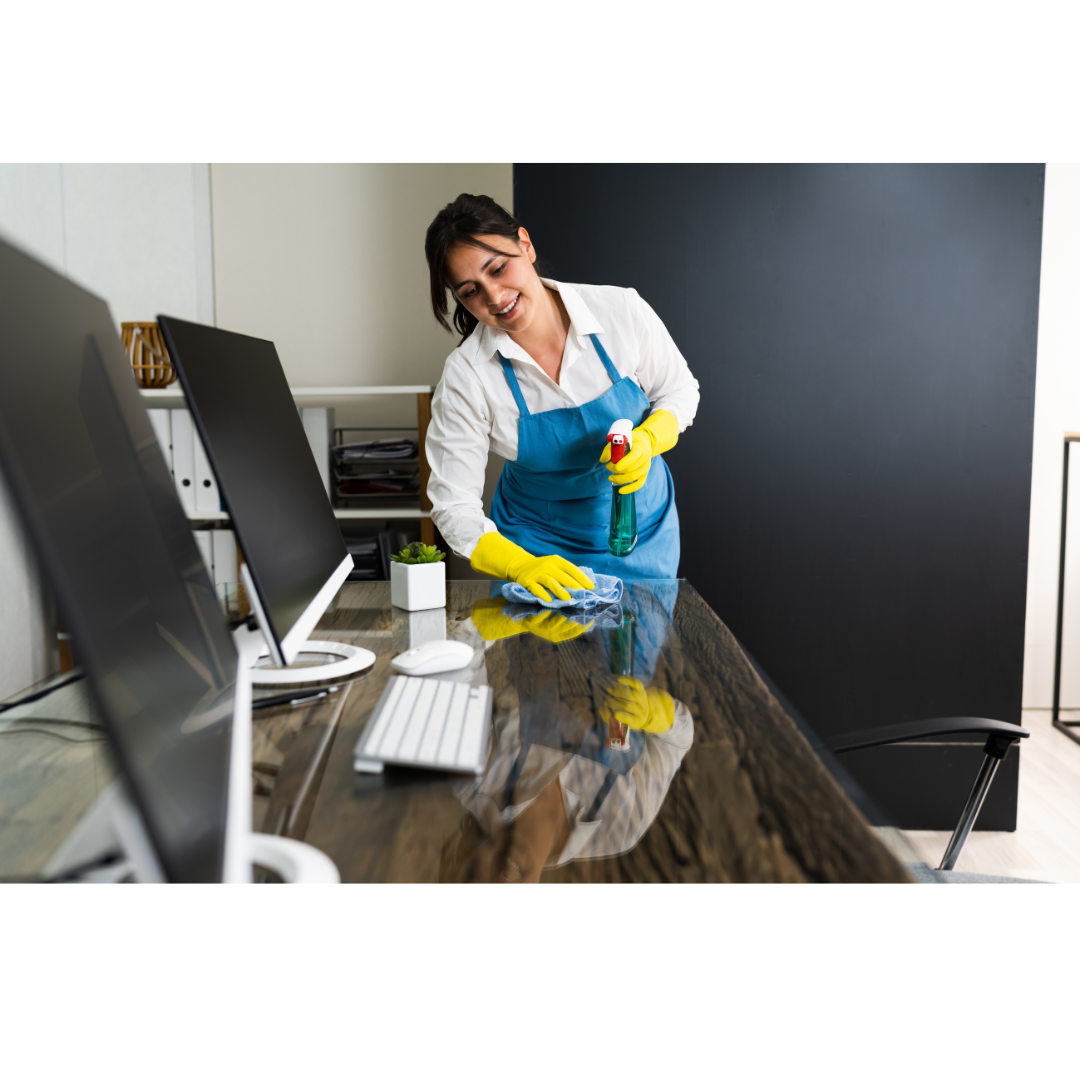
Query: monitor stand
pixel 252 647
pixel 352 658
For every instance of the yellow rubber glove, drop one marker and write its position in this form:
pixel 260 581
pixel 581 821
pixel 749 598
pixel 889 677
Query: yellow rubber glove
pixel 553 627
pixel 491 622
pixel 644 710
pixel 658 433
pixel 502 558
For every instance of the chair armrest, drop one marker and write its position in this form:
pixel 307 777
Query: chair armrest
pixel 923 729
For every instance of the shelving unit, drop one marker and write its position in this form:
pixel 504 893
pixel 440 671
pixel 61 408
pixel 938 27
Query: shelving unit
pixel 420 508
pixel 1067 726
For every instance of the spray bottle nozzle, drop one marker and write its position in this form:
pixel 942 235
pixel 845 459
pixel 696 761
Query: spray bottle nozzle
pixel 618 447
pixel 621 438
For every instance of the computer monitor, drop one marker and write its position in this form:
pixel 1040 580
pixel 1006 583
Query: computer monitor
pixel 295 558
pixel 87 474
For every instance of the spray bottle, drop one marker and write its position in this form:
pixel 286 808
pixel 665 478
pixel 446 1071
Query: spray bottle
pixel 623 642
pixel 622 537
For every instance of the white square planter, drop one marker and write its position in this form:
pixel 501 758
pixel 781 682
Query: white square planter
pixel 416 586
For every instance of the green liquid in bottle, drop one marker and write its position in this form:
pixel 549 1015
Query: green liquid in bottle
pixel 622 538
pixel 623 640
pixel 622 663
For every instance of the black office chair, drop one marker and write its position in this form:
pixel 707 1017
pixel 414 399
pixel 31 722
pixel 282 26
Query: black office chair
pixel 1000 736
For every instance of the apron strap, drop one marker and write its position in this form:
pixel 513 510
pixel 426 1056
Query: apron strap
pixel 515 772
pixel 515 386
pixel 601 795
pixel 512 382
pixel 612 370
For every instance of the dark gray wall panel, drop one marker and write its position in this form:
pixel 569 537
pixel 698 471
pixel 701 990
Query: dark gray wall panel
pixel 854 492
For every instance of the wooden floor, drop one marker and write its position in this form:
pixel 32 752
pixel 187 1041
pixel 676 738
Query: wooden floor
pixel 1046 844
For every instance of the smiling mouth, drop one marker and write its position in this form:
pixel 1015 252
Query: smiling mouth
pixel 510 308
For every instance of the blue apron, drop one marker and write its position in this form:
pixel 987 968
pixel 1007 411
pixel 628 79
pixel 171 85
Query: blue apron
pixel 556 498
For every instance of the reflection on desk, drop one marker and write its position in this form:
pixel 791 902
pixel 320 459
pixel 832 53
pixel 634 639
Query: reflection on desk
pixel 55 760
pixel 542 805
pixel 734 793
pixel 730 791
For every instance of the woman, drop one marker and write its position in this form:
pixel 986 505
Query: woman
pixel 542 372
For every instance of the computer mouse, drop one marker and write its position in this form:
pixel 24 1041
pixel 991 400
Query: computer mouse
pixel 433 656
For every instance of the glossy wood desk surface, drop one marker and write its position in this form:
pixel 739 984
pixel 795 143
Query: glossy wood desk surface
pixel 748 800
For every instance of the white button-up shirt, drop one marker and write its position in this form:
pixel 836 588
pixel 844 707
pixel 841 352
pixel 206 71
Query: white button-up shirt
pixel 473 409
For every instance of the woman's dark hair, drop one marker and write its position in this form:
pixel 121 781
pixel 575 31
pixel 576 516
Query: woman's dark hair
pixel 461 222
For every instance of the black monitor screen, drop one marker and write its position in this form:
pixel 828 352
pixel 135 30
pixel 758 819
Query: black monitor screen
pixel 255 440
pixel 87 473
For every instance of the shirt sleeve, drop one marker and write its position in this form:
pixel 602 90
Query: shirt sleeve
pixel 662 372
pixel 457 444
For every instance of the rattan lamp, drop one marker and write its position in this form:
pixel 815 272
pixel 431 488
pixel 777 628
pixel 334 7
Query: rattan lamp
pixel 146 351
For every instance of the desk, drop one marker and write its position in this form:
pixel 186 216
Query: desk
pixel 738 795
pixel 750 800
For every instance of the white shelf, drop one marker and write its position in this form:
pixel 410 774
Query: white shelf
pixel 175 394
pixel 385 513
pixel 356 391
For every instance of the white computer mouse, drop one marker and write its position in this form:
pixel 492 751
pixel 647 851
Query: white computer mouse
pixel 433 656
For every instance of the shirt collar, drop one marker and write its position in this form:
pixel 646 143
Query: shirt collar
pixel 482 344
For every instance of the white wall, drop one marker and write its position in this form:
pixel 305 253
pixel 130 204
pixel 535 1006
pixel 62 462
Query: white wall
pixel 28 648
pixel 1057 409
pixel 140 237
pixel 137 235
pixel 327 261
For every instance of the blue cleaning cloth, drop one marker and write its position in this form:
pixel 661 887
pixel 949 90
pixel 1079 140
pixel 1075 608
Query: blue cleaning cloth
pixel 601 617
pixel 608 590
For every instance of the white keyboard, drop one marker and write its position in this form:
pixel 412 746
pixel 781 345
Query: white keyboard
pixel 428 724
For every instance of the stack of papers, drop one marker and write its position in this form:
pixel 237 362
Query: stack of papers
pixel 378 450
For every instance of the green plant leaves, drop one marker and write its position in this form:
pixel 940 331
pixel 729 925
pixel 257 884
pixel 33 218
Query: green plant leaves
pixel 419 553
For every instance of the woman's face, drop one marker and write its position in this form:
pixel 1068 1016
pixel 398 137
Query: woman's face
pixel 500 290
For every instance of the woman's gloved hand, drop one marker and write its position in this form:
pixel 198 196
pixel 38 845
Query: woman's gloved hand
pixel 502 558
pixel 492 623
pixel 631 704
pixel 659 432
pixel 553 627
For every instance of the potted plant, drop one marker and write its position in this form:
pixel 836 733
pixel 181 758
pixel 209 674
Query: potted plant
pixel 418 578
